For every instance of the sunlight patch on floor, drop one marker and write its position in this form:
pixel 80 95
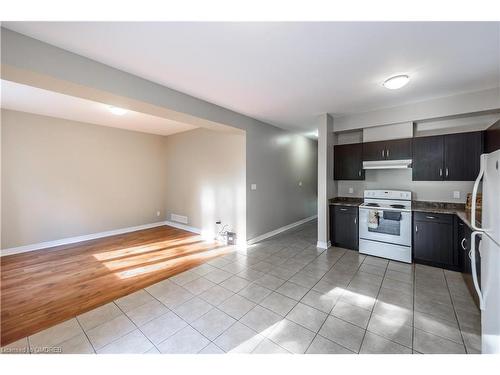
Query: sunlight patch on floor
pixel 132 250
pixel 141 270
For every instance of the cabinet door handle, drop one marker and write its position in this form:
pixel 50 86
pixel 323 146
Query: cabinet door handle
pixel 383 154
pixel 431 217
pixel 359 173
pixel 462 243
pixel 356 220
pixel 472 256
pixel 440 172
pixel 387 152
pixel 343 209
pixel 416 228
pixel 446 172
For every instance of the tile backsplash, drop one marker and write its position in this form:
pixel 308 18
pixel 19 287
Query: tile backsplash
pixel 400 179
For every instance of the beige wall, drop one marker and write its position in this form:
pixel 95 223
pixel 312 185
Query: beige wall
pixel 277 160
pixel 206 179
pixel 62 178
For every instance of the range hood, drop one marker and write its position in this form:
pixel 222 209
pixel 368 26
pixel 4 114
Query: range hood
pixel 387 164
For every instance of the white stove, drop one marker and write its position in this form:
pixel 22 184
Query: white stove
pixel 385 224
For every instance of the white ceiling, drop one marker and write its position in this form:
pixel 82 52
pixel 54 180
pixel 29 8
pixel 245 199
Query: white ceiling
pixel 288 73
pixel 48 103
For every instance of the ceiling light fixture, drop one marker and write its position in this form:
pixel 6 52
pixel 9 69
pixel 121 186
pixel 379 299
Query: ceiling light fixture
pixel 396 82
pixel 117 110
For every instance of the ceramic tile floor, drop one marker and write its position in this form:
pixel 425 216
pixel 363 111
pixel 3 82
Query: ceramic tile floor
pixel 282 295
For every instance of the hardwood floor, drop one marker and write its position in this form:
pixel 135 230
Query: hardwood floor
pixel 42 288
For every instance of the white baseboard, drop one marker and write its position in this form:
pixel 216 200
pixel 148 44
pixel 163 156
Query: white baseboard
pixel 182 226
pixel 280 230
pixel 71 240
pixel 323 245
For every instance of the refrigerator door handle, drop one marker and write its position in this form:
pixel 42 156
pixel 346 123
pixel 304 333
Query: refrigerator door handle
pixel 474 195
pixel 472 256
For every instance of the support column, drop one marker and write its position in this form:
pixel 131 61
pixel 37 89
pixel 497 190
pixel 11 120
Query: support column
pixel 326 187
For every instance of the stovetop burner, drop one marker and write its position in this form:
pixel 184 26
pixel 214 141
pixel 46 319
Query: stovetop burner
pixel 372 204
pixel 397 206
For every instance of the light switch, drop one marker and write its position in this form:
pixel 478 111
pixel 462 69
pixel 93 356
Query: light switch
pixel 456 194
pixel 351 190
pixel 300 183
pixel 253 187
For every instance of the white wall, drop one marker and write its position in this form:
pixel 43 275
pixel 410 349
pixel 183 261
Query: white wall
pixel 486 100
pixel 400 179
pixel 348 137
pixel 387 132
pixel 326 184
pixel 205 179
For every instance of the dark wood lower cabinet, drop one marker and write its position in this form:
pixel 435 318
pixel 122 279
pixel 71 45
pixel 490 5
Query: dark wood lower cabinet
pixel 435 240
pixel 344 226
pixel 464 247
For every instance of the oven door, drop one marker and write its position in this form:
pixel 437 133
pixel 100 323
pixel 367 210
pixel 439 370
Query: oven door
pixel 392 227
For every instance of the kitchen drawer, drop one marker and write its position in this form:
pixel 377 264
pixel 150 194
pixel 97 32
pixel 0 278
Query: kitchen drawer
pixel 433 217
pixel 346 210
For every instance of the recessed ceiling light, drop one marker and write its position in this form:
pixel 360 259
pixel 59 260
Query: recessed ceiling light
pixel 117 110
pixel 396 82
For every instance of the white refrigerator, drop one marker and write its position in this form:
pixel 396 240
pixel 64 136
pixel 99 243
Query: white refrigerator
pixel 489 249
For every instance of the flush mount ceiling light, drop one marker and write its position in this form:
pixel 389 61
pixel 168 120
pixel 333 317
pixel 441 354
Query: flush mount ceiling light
pixel 396 82
pixel 117 110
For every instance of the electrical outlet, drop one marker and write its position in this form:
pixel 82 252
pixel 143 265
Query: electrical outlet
pixel 351 190
pixel 456 194
pixel 158 213
pixel 253 187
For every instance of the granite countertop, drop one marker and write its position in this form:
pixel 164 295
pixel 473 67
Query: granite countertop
pixel 346 201
pixel 437 207
pixel 418 206
pixel 444 208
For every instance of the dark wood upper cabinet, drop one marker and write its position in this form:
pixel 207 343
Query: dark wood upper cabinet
pixel 492 138
pixel 348 162
pixel 427 163
pixel 462 153
pixel 398 149
pixel 387 150
pixel 451 157
pixel 374 151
